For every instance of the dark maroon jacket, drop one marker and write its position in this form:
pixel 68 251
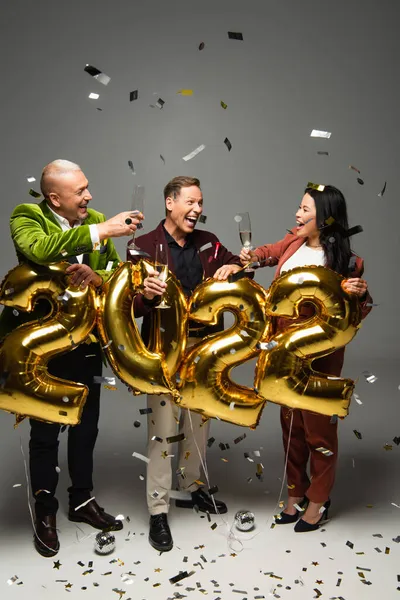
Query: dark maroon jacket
pixel 204 241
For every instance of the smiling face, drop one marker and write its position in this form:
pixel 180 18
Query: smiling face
pixel 306 218
pixel 69 195
pixel 184 210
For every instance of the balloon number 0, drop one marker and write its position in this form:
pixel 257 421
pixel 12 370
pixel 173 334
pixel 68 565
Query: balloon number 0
pixel 197 378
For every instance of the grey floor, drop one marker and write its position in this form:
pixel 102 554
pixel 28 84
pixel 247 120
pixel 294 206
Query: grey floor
pixel 266 563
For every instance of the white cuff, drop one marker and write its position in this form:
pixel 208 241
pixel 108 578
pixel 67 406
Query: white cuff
pixel 94 235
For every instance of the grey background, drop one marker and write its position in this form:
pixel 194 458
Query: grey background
pixel 302 65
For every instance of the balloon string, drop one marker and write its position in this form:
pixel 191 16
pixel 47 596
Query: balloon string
pixel 231 536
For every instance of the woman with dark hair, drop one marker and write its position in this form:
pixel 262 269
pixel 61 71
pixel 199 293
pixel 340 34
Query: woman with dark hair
pixel 320 238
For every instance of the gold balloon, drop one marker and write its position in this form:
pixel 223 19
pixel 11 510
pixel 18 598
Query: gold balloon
pixel 27 388
pixel 168 329
pixel 206 386
pixel 283 373
pixel 144 371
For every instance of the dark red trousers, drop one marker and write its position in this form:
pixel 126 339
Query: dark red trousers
pixel 309 432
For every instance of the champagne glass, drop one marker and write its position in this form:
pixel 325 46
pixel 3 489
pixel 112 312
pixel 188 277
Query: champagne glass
pixel 245 233
pixel 161 264
pixel 137 206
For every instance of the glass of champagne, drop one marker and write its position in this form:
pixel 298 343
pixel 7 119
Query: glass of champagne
pixel 245 233
pixel 137 206
pixel 161 264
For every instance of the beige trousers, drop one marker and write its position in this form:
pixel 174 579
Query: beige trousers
pixel 167 420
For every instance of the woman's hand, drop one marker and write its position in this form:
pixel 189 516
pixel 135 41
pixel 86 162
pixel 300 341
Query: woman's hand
pixel 355 286
pixel 247 256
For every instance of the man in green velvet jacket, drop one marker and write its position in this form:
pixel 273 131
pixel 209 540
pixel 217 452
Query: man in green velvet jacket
pixel 62 227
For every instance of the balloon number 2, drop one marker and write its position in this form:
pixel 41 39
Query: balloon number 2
pixel 26 386
pixel 198 378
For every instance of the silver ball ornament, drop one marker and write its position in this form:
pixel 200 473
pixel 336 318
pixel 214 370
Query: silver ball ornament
pixel 104 542
pixel 244 520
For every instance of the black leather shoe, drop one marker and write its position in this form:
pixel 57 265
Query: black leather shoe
pixel 284 518
pixel 204 503
pixel 304 527
pixel 46 538
pixel 160 534
pixel 94 515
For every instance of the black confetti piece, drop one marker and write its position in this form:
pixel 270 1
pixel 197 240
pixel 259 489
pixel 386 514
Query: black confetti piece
pixel 235 35
pixel 383 190
pixel 357 434
pixel 239 439
pixel 396 440
pixel 201 46
pixel 228 144
pixel 360 181
pixel 350 544
pixel 136 424
pixel 176 438
pixel 223 446
pixel 145 411
pixel 133 95
pixel 179 577
pixel 34 194
pixel 214 526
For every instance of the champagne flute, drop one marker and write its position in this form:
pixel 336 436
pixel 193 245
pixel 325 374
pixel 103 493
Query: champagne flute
pixel 161 264
pixel 137 206
pixel 245 233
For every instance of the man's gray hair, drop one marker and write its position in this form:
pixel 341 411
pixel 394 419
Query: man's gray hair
pixel 56 167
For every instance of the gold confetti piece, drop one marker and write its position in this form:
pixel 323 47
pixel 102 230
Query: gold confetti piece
pixel 156 584
pixel 224 460
pixel 57 565
pixel 233 554
pixel 187 454
pixel 120 592
pixel 388 447
pixel 355 169
pixel 387 550
pixel 69 586
pixel 316 186
pixel 199 482
pixel 185 92
pixel 113 388
pixel 319 582
pixel 315 564
pixel 281 504
pixel 291 487
pixel 224 106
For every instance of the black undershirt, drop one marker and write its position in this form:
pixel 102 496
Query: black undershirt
pixel 187 265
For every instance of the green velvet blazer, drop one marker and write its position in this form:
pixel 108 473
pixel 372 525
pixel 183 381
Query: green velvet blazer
pixel 38 238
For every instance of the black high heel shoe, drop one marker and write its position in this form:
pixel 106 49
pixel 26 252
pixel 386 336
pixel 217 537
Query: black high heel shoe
pixel 304 527
pixel 284 518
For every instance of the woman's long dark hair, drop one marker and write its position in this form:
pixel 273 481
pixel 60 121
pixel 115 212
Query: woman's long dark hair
pixel 332 223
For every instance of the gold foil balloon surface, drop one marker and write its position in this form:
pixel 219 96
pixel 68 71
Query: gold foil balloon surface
pixel 283 373
pixel 206 386
pixel 27 388
pixel 144 371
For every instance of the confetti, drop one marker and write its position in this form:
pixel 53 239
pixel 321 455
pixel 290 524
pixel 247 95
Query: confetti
pixel 320 134
pixel 388 447
pixel 235 35
pixel 357 398
pixel 133 95
pixel 201 46
pixel 239 439
pixel 202 218
pixel 107 345
pixel 357 434
pixel 84 503
pixel 12 579
pixel 224 106
pixel 210 442
pixel 162 158
pixel 360 181
pixel 141 457
pixel 319 187
pixel 322 153
pixel 96 74
pixel 185 92
pixel 228 144
pixel 94 96
pixel 100 379
pixel 267 345
pixel 396 440
pixel 34 194
pixel 369 377
pixel 324 451
pixel 355 169
pixel 131 166
pixel 194 153
pixel 383 190
pixel 350 544
pixel 145 411
pixel 176 438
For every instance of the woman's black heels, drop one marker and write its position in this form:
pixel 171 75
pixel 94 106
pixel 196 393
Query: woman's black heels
pixel 304 527
pixel 285 519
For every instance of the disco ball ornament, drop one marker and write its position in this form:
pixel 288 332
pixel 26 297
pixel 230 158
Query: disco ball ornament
pixel 244 520
pixel 104 543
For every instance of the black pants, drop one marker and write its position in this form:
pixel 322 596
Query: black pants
pixel 43 445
